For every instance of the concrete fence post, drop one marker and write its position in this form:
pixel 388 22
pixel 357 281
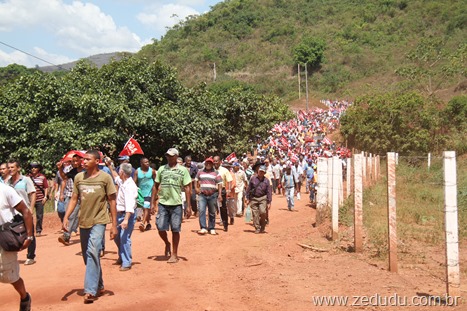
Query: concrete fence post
pixel 392 225
pixel 364 179
pixel 336 179
pixel 451 224
pixel 358 203
pixel 329 182
pixel 348 177
pixel 322 193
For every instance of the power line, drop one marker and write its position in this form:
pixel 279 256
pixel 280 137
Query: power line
pixel 29 54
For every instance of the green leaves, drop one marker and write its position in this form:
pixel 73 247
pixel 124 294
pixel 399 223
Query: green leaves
pixel 44 116
pixel 406 123
pixel 310 51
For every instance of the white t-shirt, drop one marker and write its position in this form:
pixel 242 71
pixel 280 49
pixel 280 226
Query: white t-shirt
pixel 276 169
pixel 8 200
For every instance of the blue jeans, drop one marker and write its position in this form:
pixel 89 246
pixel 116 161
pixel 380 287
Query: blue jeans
pixel 91 246
pixel 73 219
pixel 289 194
pixel 211 202
pixel 123 239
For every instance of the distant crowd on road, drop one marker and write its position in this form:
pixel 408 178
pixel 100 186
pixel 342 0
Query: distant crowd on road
pixel 89 193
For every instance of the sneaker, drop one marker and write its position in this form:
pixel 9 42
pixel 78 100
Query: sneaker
pixel 212 232
pixel 38 234
pixel 29 262
pixel 64 240
pixel 202 231
pixel 141 227
pixel 257 231
pixel 125 268
pixel 25 305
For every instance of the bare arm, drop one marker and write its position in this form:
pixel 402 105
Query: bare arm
pixel 27 216
pixel 69 210
pixel 32 199
pixel 113 214
pixel 188 202
pixel 154 196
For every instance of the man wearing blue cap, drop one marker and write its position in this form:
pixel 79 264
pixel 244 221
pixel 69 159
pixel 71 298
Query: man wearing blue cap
pixel 259 194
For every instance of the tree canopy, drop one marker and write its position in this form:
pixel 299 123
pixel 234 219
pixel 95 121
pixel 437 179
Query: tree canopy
pixel 43 115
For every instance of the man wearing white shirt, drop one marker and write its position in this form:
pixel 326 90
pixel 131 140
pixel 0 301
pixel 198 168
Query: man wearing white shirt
pixel 126 204
pixel 10 204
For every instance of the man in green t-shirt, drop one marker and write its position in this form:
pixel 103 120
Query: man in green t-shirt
pixel 94 188
pixel 170 179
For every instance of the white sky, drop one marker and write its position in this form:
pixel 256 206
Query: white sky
pixel 61 31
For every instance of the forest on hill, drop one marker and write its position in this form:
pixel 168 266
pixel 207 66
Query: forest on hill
pixel 369 46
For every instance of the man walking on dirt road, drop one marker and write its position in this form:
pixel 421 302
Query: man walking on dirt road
pixel 170 179
pixel 259 194
pixel 96 190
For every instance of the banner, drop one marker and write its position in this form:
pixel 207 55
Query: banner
pixel 231 157
pixel 131 147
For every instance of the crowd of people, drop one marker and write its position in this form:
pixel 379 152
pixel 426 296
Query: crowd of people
pixel 91 193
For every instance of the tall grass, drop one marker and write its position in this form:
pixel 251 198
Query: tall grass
pixel 419 202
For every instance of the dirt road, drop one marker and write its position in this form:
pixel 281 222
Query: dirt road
pixel 235 270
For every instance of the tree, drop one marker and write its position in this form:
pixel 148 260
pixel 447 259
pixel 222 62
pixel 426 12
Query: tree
pixel 431 65
pixel 310 51
pixel 405 123
pixel 43 115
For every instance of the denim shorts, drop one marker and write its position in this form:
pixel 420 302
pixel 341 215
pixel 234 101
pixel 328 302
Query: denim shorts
pixel 169 214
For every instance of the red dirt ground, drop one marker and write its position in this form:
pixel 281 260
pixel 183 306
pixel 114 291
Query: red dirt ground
pixel 237 270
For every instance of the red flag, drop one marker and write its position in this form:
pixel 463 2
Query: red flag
pixel 230 157
pixel 131 147
pixel 327 141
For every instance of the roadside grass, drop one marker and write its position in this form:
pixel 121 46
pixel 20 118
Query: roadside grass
pixel 419 203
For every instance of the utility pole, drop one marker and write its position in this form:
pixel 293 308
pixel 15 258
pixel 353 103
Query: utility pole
pixel 299 88
pixel 306 85
pixel 214 72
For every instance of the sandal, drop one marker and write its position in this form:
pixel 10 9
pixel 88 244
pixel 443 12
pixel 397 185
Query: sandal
pixel 89 298
pixel 172 260
pixel 142 227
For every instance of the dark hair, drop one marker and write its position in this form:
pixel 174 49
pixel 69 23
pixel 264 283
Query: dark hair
pixel 14 160
pixel 94 153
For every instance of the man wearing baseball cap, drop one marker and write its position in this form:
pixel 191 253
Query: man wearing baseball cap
pixel 170 179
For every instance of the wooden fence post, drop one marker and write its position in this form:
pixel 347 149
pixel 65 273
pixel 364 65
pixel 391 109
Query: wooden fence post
pixel 451 224
pixel 358 203
pixel 392 226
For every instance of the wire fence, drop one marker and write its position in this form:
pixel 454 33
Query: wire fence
pixel 420 204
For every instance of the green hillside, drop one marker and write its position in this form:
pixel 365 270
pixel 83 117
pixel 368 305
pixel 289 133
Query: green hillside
pixel 370 45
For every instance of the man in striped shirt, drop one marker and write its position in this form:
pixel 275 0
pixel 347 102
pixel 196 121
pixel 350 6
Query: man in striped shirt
pixel 208 185
pixel 42 193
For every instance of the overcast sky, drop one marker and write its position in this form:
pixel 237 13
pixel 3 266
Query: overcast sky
pixel 60 31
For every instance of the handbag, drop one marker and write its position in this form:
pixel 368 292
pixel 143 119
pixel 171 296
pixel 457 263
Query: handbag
pixel 13 234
